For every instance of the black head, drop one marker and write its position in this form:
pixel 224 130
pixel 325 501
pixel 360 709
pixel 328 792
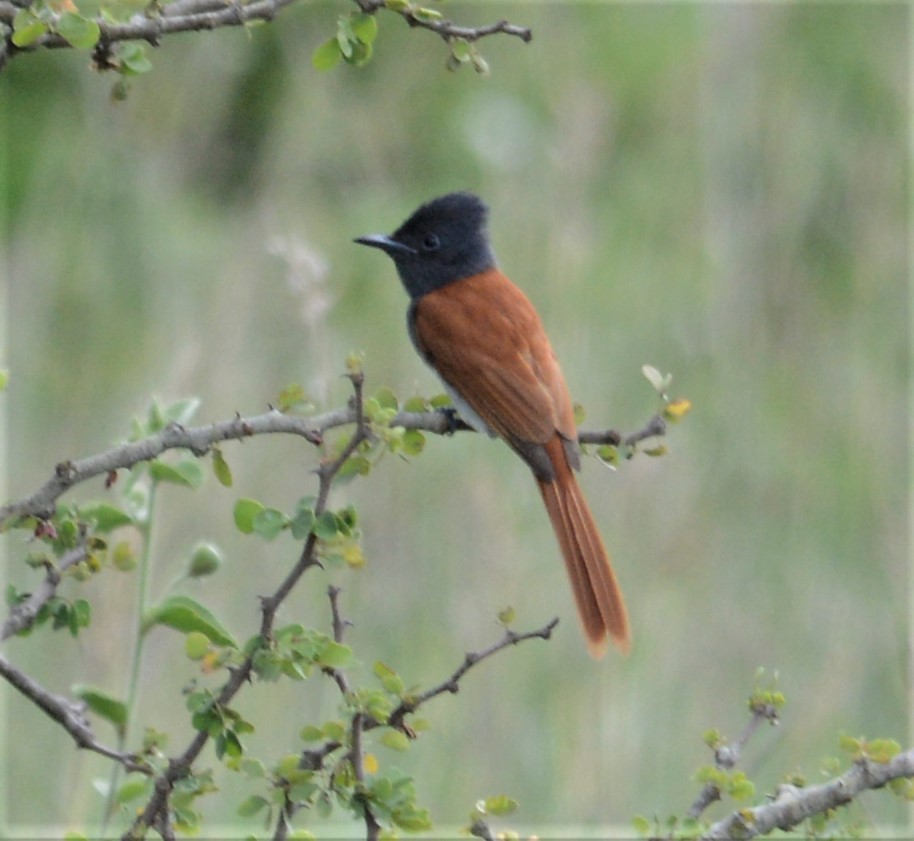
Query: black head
pixel 443 241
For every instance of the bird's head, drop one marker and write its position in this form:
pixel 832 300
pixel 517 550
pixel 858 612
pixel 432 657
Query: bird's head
pixel 443 241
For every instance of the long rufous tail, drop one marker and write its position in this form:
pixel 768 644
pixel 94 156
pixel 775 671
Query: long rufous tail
pixel 599 599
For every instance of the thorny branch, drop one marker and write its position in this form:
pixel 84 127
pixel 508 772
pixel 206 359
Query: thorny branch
pixel 156 812
pixel 67 713
pixel 727 755
pixel 23 614
pixel 313 759
pixel 199 440
pixel 159 20
pixel 793 805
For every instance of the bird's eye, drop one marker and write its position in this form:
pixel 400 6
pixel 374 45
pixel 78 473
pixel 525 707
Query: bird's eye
pixel 430 242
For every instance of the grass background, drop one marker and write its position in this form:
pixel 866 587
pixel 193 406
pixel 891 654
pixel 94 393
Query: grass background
pixel 718 190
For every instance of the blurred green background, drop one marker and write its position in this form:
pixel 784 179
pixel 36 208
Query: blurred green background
pixel 718 190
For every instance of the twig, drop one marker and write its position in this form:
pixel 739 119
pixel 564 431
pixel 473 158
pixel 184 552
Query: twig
pixel 199 15
pixel 356 754
pixel 339 624
pixel 23 614
pixel 157 808
pixel 452 684
pixel 727 755
pixel 200 440
pixel 792 805
pixel 447 29
pixel 66 713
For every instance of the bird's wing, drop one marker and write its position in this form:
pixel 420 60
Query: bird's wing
pixel 485 339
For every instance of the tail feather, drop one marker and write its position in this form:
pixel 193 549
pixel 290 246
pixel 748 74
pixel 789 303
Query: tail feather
pixel 597 594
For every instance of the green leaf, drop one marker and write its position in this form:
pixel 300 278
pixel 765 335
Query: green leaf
pixel 78 31
pixel 291 396
pixel 326 526
pixel 364 27
pixel 27 29
pixel 413 819
pixel 252 805
pixel 416 404
pixel 302 523
pixel 184 614
pixel 253 768
pixel 228 744
pixel 269 522
pixel 386 398
pixel 335 730
pixel 244 513
pixel 107 517
pixel 205 559
pixel 133 62
pixel 395 740
pixel 123 557
pixel 310 733
pixel 196 645
pixel 413 442
pixel 102 704
pixel 740 787
pixel 221 469
pixel 499 805
pixel 461 49
pixel 187 473
pixel 134 786
pixel 81 613
pixel 427 15
pixel 390 680
pixel 355 465
pixel 327 55
pixel 641 825
pixel 333 655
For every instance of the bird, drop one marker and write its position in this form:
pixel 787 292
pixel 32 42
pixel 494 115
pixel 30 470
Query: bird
pixel 482 336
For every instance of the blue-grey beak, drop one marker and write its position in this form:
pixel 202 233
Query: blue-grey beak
pixel 385 243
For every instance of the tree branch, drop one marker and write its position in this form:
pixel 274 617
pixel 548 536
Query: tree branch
pixel 792 805
pixel 23 614
pixel 200 440
pixel 156 810
pixel 199 15
pixel 727 755
pixel 452 684
pixel 447 29
pixel 66 713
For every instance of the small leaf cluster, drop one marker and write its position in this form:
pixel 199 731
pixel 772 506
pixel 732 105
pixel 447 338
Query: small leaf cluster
pixel 72 615
pixel 32 22
pixel 670 410
pixel 355 35
pixel 735 784
pixel 380 409
pixel 766 699
pixel 82 31
pixel 876 750
pixel 223 724
pixel 337 532
pixel 295 652
pixel 332 770
pixel 465 53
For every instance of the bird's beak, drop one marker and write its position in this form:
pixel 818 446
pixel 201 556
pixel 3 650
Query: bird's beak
pixel 385 243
